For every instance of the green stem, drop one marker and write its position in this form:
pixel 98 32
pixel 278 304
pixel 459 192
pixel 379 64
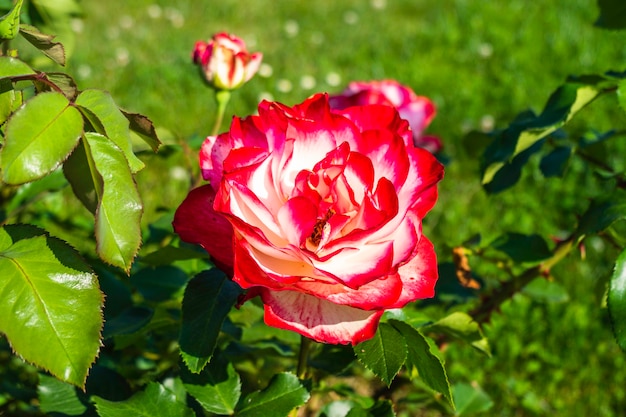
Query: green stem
pixel 222 97
pixel 303 357
pixel 493 302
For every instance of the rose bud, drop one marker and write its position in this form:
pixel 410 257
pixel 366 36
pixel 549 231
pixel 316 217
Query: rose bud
pixel 225 61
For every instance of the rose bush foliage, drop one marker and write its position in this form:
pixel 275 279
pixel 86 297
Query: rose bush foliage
pixel 419 111
pixel 318 212
pixel 225 61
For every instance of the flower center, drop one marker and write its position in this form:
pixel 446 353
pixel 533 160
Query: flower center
pixel 318 229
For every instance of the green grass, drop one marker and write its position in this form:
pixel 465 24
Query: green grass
pixel 480 62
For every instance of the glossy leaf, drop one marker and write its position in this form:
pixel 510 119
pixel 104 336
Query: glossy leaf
pixel 384 354
pixel 208 298
pixel 602 212
pixel 45 291
pixel 58 397
pixel 612 14
pixel 617 300
pixel 421 357
pixel 154 400
pixel 10 22
pixel 470 399
pixel 53 50
pixel 462 326
pixel 39 136
pixel 118 216
pixel 13 67
pixel 555 163
pixel 217 388
pixel 523 248
pixel 527 129
pixel 107 119
pixel 10 101
pixel 284 393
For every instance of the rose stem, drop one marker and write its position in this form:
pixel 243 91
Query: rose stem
pixel 222 97
pixel 303 357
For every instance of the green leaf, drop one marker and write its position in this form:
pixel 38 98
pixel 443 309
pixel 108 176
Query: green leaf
pixel 528 130
pixel 10 101
pixel 107 119
pixel 384 354
pixel 462 326
pixel 612 14
pixel 87 184
pixel 617 300
pixel 421 357
pixel 543 290
pixel 60 397
pixel 62 81
pixel 555 163
pixel 284 393
pixel 470 399
pixel 13 67
pixel 118 216
pixel 39 137
pixel 510 172
pixel 53 50
pixel 143 126
pixel 602 212
pixel 10 22
pixel 46 289
pixel 217 388
pixel 155 400
pixel 523 248
pixel 208 298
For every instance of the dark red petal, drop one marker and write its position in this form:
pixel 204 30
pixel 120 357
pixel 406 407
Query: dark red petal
pixel 196 222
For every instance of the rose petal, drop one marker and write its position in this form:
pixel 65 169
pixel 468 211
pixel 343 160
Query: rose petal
pixel 375 295
pixel 195 221
pixel 297 219
pixel 419 275
pixel 357 266
pixel 319 319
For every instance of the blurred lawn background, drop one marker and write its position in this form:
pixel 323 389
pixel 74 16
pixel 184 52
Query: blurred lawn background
pixel 481 63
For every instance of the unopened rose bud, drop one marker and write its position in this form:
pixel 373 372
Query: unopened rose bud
pixel 225 61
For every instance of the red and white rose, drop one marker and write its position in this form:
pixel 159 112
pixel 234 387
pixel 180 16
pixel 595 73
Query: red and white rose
pixel 318 212
pixel 419 111
pixel 225 61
